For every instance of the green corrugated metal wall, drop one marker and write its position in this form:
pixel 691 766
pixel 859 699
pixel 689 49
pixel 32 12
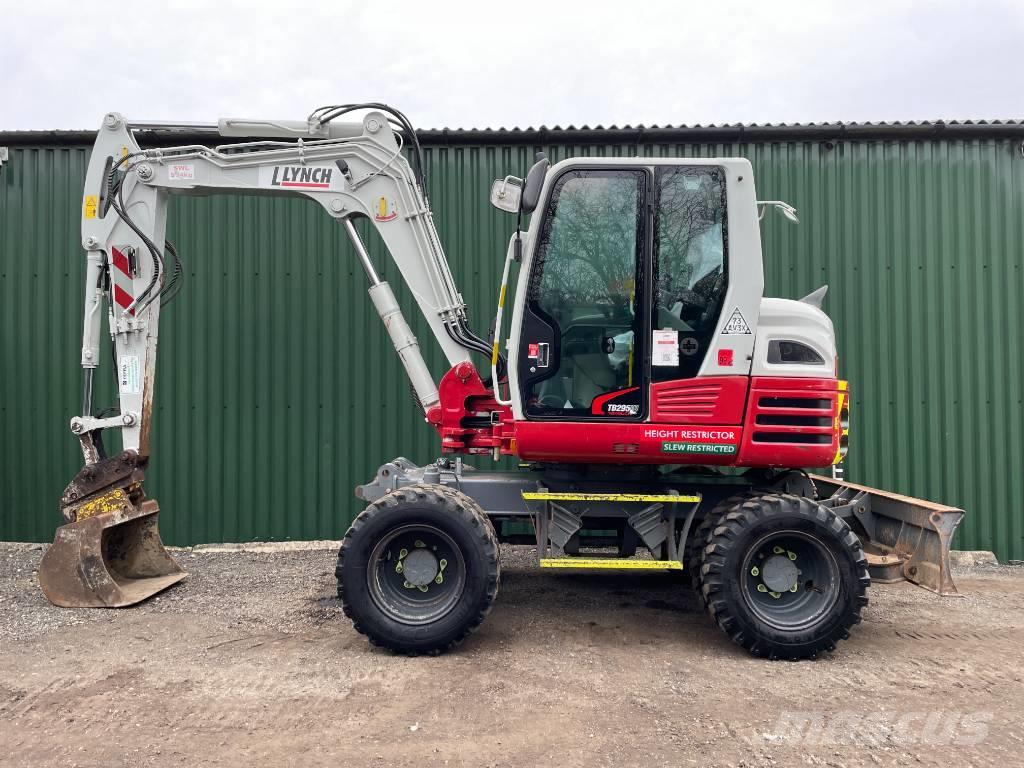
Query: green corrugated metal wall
pixel 278 390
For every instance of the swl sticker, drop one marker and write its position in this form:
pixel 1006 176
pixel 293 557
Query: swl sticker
pixel 181 172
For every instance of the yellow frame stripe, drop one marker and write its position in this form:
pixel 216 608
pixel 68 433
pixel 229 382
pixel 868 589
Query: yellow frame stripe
pixel 611 564
pixel 844 394
pixel 627 497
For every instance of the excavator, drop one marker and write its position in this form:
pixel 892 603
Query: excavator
pixel 665 415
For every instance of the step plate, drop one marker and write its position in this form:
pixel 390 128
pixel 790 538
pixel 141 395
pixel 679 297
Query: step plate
pixel 660 498
pixel 610 564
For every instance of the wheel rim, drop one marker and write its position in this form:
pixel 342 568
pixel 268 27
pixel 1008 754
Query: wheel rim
pixel 416 574
pixel 790 580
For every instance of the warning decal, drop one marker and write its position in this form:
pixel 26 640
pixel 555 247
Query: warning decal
pixel 736 326
pixel 715 448
pixel 665 345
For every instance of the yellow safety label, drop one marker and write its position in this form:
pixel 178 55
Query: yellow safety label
pixel 112 501
pixel 663 498
pixel 610 564
pixel 90 206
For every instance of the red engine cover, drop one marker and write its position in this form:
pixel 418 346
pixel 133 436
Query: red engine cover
pixel 715 420
pixel 711 420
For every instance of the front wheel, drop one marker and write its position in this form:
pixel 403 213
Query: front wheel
pixel 784 577
pixel 418 570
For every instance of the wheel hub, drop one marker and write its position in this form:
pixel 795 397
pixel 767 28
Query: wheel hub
pixel 416 573
pixel 420 567
pixel 779 573
pixel 791 579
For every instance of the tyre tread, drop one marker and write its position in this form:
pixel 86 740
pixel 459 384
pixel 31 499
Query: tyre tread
pixel 698 540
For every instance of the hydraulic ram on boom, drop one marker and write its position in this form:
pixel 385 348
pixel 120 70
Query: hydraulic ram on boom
pixel 655 398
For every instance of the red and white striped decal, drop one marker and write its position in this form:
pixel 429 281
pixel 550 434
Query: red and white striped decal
pixel 122 280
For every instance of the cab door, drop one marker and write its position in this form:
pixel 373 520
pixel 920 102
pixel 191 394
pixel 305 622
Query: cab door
pixel 689 267
pixel 583 342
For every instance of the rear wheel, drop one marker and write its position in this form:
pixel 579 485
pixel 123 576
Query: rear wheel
pixel 418 570
pixel 784 577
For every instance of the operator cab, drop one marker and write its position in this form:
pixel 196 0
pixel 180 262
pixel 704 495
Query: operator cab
pixel 625 285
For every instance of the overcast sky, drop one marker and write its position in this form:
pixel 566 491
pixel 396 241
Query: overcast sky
pixel 515 63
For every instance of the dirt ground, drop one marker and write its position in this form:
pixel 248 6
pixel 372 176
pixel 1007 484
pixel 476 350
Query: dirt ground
pixel 250 662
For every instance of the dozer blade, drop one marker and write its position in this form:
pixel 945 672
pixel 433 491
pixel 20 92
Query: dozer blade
pixel 110 555
pixel 907 538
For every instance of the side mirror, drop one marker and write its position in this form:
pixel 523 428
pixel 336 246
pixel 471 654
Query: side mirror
pixel 506 193
pixel 534 183
pixel 785 209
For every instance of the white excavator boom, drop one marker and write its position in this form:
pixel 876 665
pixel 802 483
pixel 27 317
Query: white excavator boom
pixel 351 169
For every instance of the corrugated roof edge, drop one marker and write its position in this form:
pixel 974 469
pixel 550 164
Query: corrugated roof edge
pixel 907 131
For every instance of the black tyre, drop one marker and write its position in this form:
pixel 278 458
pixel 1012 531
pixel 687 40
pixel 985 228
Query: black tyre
pixel 698 539
pixel 784 577
pixel 418 570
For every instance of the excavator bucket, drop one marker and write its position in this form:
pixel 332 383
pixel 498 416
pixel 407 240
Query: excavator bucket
pixel 904 537
pixel 109 554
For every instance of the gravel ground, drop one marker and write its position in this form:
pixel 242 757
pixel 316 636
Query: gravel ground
pixel 251 661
